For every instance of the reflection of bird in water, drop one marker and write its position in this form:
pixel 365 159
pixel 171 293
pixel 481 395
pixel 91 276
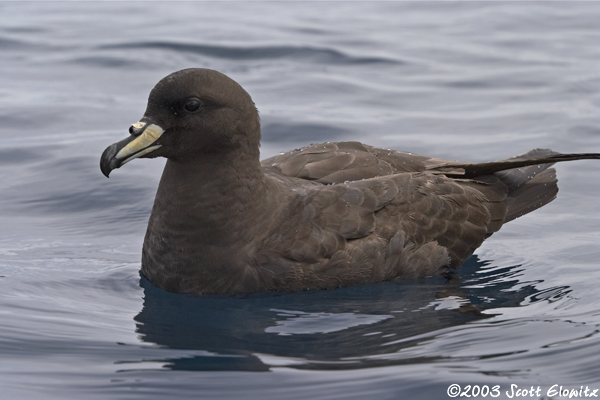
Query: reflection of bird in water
pixel 354 327
pixel 324 216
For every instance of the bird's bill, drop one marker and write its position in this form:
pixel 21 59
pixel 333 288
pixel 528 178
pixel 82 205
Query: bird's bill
pixel 143 140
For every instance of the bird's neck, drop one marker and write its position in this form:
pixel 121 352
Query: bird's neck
pixel 205 215
pixel 211 197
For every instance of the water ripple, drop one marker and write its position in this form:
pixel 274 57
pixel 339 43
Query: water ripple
pixel 307 53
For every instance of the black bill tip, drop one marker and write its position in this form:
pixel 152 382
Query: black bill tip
pixel 108 161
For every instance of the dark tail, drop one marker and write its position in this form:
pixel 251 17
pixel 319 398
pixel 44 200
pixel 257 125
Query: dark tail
pixel 530 181
pixel 533 157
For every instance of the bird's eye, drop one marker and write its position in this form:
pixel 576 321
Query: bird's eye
pixel 192 105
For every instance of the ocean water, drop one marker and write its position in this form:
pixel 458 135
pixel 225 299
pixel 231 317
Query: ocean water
pixel 467 81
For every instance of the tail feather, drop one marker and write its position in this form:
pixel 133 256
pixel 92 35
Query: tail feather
pixel 528 196
pixel 533 157
pixel 530 187
pixel 529 180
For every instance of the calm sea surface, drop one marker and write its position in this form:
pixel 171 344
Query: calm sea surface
pixel 468 81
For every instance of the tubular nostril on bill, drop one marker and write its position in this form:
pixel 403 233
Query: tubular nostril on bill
pixel 137 128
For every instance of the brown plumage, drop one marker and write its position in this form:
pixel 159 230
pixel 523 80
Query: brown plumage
pixel 320 217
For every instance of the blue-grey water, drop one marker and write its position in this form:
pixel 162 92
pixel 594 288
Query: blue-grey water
pixel 468 81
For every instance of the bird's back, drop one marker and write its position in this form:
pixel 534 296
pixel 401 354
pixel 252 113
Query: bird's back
pixel 364 214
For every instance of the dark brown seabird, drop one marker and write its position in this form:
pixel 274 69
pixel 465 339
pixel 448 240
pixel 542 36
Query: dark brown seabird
pixel 324 216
